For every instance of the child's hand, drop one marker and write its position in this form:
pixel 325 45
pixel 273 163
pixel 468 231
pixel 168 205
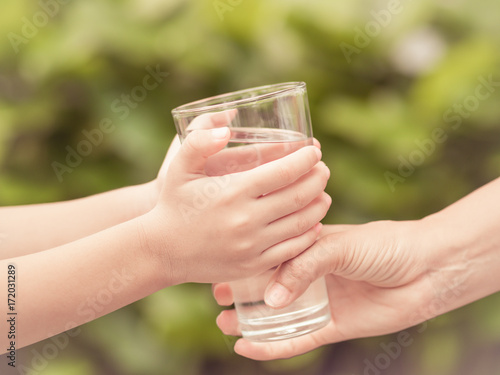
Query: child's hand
pixel 219 228
pixel 212 120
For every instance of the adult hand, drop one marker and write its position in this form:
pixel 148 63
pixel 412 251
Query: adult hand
pixel 374 281
pixel 386 276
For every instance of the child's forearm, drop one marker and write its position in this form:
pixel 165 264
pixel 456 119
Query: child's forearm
pixel 29 229
pixel 64 287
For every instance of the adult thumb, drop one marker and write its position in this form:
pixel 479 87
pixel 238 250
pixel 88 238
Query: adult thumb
pixel 294 276
pixel 198 146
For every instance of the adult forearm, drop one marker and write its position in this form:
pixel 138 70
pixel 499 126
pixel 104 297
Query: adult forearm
pixel 29 229
pixel 64 287
pixel 462 245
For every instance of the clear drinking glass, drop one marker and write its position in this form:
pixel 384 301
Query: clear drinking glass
pixel 266 123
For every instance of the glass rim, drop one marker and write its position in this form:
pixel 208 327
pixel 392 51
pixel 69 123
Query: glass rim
pixel 204 105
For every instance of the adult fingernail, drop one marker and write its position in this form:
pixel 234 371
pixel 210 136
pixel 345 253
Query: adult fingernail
pixel 318 152
pixel 219 133
pixel 219 318
pixel 277 295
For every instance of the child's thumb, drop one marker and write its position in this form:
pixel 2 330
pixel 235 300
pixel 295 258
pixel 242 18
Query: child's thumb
pixel 198 146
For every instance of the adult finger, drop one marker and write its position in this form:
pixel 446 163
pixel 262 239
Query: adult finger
pixel 223 294
pixel 227 321
pixel 336 228
pixel 293 277
pixel 287 348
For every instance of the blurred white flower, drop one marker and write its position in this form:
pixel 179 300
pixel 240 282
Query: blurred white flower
pixel 418 52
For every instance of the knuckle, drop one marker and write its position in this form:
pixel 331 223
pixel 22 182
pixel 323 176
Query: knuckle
pixel 300 198
pixel 323 250
pixel 309 238
pixel 302 224
pixel 241 221
pixel 298 270
pixel 247 268
pixel 193 143
pixel 298 246
pixel 244 246
pixel 338 248
pixel 229 194
pixel 284 173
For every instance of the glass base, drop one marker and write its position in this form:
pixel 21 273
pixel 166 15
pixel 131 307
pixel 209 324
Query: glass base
pixel 287 325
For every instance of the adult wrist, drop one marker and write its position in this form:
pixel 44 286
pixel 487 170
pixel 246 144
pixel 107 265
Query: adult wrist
pixel 460 258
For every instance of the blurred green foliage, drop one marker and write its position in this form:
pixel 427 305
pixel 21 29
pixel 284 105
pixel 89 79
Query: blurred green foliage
pixel 371 108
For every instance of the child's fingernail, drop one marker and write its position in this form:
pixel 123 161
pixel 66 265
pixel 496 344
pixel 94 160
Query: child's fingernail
pixel 329 173
pixel 330 200
pixel 220 133
pixel 277 295
pixel 318 227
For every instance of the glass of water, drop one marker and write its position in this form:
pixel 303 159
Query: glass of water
pixel 266 123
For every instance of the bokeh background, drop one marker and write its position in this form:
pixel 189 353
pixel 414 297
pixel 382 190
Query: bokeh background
pixel 381 75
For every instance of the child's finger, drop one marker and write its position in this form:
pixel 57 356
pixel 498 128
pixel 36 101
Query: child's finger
pixel 295 196
pixel 293 225
pixel 245 157
pixel 290 248
pixel 213 120
pixel 198 146
pixel 282 172
pixel 316 143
